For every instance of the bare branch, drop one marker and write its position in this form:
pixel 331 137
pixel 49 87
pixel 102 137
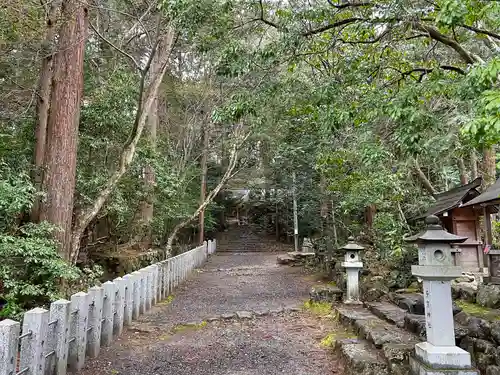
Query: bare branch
pixel 124 53
pixel 481 31
pixel 350 5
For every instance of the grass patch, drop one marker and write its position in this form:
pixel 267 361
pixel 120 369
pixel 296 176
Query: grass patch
pixel 189 327
pixel 166 301
pixel 329 340
pixel 318 308
pixel 478 311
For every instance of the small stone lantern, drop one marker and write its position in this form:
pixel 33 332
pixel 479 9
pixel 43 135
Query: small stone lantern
pixel 352 263
pixel 439 354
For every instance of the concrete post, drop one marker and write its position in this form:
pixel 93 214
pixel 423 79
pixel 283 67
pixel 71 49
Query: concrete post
pixel 33 343
pixel 60 314
pixel 78 333
pixel 119 306
pixel 136 310
pixel 149 287
pixel 108 313
pixel 96 297
pixel 438 354
pixel 9 338
pixel 129 299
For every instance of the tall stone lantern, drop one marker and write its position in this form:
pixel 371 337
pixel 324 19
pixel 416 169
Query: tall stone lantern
pixel 352 263
pixel 439 354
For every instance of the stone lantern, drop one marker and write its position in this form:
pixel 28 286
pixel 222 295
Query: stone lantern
pixel 439 354
pixel 352 263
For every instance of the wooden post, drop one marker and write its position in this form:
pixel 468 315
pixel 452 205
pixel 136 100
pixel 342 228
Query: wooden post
pixel 488 237
pixel 9 338
pixel 96 297
pixel 60 317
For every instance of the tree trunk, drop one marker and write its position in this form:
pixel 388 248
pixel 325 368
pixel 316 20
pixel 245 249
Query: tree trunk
pixel 144 103
pixel 473 161
pixel 150 130
pixel 233 159
pixel 489 166
pixel 62 126
pixel 43 104
pixel 423 179
pixel 463 171
pixel 203 187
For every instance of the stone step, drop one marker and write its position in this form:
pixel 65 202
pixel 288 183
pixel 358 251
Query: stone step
pixel 396 344
pixel 374 329
pixel 360 358
pixel 388 312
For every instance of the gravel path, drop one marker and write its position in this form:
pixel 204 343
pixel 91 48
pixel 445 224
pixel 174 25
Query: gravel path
pixel 199 331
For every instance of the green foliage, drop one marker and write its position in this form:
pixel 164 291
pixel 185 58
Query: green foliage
pixel 31 269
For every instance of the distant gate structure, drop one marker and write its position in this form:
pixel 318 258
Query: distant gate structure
pixel 462 221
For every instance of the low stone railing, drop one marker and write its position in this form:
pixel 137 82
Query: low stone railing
pixel 58 340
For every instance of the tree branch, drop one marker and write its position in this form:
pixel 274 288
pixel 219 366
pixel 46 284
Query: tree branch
pixel 272 24
pixel 350 5
pixel 319 30
pixel 481 31
pixel 436 35
pixel 124 53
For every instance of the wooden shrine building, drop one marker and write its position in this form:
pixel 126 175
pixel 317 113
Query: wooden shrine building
pixel 487 204
pixel 462 220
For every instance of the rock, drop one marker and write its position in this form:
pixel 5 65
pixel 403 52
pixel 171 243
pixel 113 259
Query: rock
pixel 325 293
pixel 462 318
pixel 485 346
pixel 261 312
pixel 388 312
pixel 276 311
pixel 468 293
pixel 483 360
pixel 244 315
pixel 455 291
pixel 360 358
pixel 372 295
pixel 397 356
pixel 495 331
pixel 411 302
pixel 456 309
pixel 488 295
pixel 227 316
pixel 284 259
pixel 478 328
pixel 492 370
pixel 416 324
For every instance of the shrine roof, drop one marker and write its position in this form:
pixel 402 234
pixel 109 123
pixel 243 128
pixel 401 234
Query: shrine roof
pixel 453 198
pixel 490 196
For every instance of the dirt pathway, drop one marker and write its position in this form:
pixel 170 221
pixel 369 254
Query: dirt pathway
pixel 205 329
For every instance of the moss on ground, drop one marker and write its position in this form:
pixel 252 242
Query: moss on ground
pixel 166 301
pixel 478 311
pixel 329 340
pixel 318 308
pixel 188 327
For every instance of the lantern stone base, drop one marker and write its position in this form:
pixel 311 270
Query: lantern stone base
pixel 441 360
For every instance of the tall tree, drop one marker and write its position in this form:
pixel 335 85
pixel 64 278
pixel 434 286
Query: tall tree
pixel 62 126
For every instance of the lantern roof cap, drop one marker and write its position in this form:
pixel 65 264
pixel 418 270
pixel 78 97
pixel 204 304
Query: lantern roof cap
pixel 434 232
pixel 351 245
